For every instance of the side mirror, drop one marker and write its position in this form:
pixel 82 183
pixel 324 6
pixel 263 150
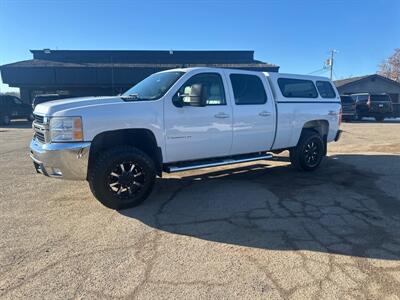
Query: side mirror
pixel 197 95
pixel 194 96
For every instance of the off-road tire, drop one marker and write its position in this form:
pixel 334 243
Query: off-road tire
pixel 100 174
pixel 300 155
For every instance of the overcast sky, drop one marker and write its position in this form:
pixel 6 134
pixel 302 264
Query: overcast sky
pixel 296 35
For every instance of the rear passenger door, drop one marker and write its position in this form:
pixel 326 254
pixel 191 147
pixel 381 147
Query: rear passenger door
pixel 253 112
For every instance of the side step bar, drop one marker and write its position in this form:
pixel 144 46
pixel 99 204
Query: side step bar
pixel 214 163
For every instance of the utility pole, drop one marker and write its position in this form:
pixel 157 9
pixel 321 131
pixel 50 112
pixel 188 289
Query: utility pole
pixel 330 62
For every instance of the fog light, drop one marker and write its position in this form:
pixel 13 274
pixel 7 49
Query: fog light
pixel 57 172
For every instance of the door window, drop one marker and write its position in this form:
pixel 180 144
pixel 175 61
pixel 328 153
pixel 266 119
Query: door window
pixel 212 88
pixel 248 89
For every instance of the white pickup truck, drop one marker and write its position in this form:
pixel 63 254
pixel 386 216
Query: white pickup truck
pixel 183 119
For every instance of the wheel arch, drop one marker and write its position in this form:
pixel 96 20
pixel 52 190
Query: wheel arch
pixel 319 126
pixel 143 139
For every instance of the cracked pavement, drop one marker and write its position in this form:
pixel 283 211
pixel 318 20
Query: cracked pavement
pixel 260 230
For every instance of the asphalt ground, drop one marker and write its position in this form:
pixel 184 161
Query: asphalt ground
pixel 248 231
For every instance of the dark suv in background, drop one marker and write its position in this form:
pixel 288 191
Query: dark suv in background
pixel 348 107
pixel 12 107
pixel 378 106
pixel 45 98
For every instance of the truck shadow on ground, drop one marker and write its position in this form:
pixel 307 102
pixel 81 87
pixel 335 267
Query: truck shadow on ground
pixel 337 209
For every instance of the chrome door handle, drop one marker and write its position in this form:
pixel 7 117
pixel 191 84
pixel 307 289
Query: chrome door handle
pixel 221 115
pixel 264 113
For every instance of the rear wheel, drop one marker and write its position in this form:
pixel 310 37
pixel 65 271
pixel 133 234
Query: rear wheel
pixel 309 152
pixel 122 177
pixel 379 119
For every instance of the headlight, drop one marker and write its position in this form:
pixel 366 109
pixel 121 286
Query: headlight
pixel 66 129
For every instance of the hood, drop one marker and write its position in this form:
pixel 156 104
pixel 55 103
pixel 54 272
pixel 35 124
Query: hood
pixel 51 107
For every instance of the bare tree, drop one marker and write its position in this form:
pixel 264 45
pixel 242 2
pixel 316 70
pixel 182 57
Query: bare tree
pixel 390 67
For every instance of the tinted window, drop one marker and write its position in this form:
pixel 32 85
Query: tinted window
pixel 346 99
pixel 362 98
pixel 213 88
pixel 248 89
pixel 325 89
pixel 297 88
pixel 16 101
pixel 380 98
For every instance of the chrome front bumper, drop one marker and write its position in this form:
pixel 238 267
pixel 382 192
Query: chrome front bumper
pixel 61 160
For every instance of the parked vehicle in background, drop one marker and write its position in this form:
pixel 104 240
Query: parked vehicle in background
pixel 378 106
pixel 180 120
pixel 45 98
pixel 12 107
pixel 348 107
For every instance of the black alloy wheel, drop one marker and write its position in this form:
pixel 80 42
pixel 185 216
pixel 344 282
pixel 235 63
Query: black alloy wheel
pixel 312 153
pixel 309 152
pixel 126 179
pixel 122 177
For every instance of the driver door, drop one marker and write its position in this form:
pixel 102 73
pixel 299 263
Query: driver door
pixel 196 132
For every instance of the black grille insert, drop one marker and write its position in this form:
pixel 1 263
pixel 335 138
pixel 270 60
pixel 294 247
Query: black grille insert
pixel 40 137
pixel 39 119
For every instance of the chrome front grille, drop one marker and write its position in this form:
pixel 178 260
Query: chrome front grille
pixel 40 137
pixel 39 119
pixel 40 129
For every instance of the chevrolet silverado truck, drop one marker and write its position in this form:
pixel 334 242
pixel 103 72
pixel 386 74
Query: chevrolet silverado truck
pixel 183 119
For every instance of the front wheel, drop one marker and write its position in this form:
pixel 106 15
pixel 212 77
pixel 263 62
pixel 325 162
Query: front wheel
pixel 122 177
pixel 309 152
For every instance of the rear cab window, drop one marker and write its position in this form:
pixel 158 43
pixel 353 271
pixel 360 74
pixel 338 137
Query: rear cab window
pixel 297 88
pixel 379 98
pixel 248 89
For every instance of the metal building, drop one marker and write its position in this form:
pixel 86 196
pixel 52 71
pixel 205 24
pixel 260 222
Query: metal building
pixel 94 73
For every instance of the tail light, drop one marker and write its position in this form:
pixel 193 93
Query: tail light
pixel 369 102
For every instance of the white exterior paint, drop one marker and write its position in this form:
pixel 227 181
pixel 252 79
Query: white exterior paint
pixel 188 133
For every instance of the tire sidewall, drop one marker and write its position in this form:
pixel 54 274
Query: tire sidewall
pixel 107 162
pixel 305 141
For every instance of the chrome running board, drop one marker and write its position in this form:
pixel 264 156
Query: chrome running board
pixel 214 163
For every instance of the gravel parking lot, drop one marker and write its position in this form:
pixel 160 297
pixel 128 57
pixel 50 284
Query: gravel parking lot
pixel 260 230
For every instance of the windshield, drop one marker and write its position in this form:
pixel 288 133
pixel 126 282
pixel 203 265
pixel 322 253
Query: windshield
pixel 154 86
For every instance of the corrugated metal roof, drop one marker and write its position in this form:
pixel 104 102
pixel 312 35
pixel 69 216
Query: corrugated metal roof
pixel 49 63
